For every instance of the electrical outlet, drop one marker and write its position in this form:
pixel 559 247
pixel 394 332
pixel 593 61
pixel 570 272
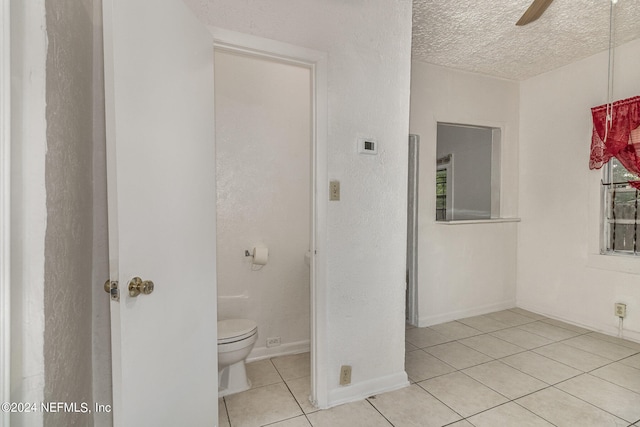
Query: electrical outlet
pixel 273 342
pixel 621 309
pixel 345 375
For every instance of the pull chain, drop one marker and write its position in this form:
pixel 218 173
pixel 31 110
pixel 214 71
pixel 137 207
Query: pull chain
pixel 612 49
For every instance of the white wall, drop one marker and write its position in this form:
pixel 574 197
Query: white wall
pixel 470 180
pixel 263 176
pixel 368 45
pixel 101 320
pixel 559 270
pixel 28 205
pixel 464 269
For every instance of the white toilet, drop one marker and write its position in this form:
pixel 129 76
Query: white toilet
pixel 236 338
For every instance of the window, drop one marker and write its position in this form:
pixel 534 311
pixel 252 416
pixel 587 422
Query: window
pixel 620 211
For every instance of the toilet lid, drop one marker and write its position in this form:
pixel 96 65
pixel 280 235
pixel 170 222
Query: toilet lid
pixel 235 329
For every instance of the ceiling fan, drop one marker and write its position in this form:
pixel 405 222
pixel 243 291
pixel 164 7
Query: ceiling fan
pixel 534 12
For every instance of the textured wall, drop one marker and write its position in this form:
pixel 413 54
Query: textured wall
pixel 560 271
pixel 263 169
pixel 69 238
pixel 467 269
pixel 368 45
pixel 28 205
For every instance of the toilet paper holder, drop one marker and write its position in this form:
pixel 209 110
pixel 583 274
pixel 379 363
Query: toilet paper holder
pixel 259 255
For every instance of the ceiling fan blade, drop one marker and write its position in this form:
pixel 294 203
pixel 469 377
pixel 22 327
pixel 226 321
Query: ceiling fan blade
pixel 534 12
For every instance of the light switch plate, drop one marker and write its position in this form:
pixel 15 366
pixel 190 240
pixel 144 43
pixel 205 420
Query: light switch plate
pixel 334 190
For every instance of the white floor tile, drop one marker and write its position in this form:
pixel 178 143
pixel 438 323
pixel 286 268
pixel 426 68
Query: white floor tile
pixel 223 418
pixel 509 414
pixel 527 313
pixel 413 406
pixel 455 330
pixel 572 356
pixel 457 355
pixel 633 361
pixel 301 388
pixel 549 331
pixel 293 366
pixel 421 366
pixel 601 348
pixel 461 423
pixel 564 410
pixel 491 346
pixel 504 379
pixel 545 377
pixel 483 323
pixel 616 340
pixel 566 325
pixel 617 400
pixel 510 318
pixel 349 415
pixel 521 338
pixel 261 406
pixel 462 393
pixel 262 373
pixel 424 337
pixel 300 421
pixel 540 367
pixel 620 374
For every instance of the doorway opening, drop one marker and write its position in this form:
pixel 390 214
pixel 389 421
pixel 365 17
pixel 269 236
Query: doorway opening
pixel 263 176
pixel 285 141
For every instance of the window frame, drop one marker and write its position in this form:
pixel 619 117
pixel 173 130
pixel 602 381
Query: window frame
pixel 609 187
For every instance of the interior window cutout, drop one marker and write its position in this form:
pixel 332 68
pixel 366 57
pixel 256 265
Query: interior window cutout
pixel 471 189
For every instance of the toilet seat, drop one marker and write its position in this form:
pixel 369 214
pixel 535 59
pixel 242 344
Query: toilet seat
pixel 233 330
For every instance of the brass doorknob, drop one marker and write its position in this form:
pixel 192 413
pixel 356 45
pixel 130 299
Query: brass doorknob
pixel 138 286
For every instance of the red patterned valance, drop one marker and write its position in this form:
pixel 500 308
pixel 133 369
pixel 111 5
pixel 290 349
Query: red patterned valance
pixel 615 139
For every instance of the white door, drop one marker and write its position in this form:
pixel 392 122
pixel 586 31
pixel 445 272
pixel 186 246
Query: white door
pixel 162 201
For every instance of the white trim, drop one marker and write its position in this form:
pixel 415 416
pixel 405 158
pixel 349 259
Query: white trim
pixel 261 353
pixel 606 329
pixel 317 62
pixel 360 391
pixel 5 224
pixel 461 314
pixel 478 221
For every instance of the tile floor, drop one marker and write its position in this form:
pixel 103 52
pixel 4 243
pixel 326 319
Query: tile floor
pixel 508 368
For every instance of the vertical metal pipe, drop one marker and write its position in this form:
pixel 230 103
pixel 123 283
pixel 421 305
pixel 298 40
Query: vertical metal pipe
pixel 412 231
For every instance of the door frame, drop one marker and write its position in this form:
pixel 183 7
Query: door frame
pixel 316 62
pixel 5 198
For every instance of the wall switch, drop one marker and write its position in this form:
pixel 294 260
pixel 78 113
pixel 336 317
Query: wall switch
pixel 273 342
pixel 621 309
pixel 334 190
pixel 345 375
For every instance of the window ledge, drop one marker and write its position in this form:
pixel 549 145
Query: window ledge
pixel 613 262
pixel 478 221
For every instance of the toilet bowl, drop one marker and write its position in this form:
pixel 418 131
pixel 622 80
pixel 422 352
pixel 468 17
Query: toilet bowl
pixel 236 338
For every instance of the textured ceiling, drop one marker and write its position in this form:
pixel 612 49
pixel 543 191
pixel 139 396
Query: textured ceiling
pixel 481 36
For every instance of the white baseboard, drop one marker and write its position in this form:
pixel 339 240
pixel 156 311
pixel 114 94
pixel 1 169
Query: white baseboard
pixel 260 353
pixel 606 329
pixel 468 312
pixel 362 390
